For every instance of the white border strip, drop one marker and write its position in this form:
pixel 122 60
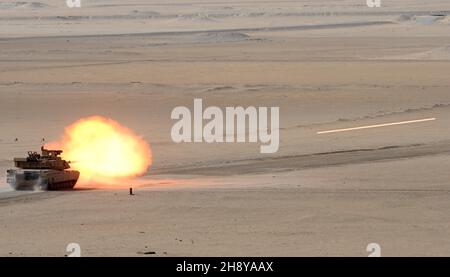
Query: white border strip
pixel 376 126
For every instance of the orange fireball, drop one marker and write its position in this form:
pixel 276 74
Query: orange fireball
pixel 100 148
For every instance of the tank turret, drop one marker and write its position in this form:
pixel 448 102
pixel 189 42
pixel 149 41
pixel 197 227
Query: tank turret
pixel 49 159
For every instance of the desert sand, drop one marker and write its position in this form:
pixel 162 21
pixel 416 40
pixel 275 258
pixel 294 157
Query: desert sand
pixel 326 64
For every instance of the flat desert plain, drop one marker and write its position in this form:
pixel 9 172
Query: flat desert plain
pixel 326 64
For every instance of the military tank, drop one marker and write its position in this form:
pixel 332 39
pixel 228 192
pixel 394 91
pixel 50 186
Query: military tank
pixel 45 171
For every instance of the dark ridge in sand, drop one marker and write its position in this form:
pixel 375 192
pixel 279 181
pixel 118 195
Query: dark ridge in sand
pixel 20 197
pixel 379 114
pixel 210 16
pixel 316 160
pixel 236 30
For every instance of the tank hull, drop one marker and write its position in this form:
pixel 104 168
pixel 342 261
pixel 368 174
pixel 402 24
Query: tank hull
pixel 35 179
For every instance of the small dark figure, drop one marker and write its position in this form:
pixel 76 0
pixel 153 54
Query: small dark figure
pixel 131 191
pixel 16 139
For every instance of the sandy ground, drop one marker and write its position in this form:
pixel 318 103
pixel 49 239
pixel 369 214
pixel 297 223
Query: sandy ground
pixel 326 64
